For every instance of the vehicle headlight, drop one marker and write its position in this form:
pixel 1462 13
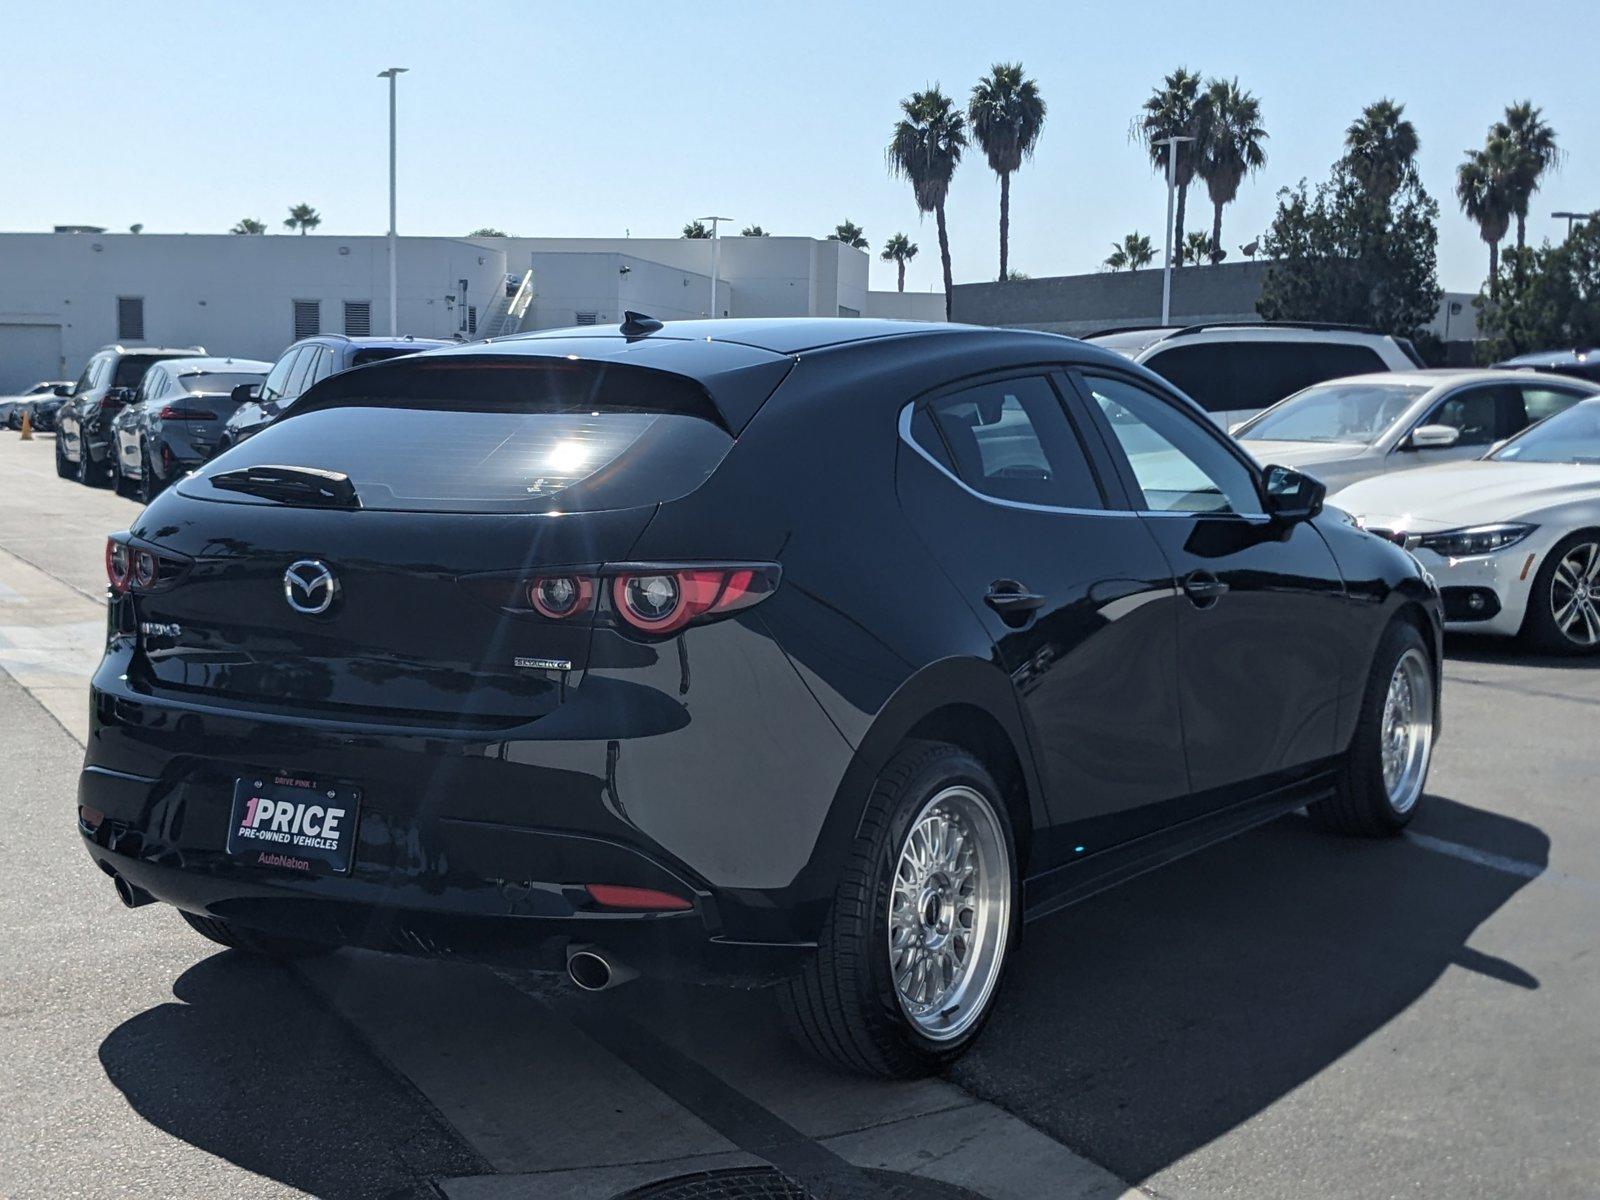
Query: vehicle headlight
pixel 1479 539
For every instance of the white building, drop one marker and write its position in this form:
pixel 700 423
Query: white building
pixel 63 295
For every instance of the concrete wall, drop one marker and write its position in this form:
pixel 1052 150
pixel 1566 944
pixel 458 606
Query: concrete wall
pixel 567 283
pixel 1086 303
pixel 231 294
pixel 905 306
pixel 770 277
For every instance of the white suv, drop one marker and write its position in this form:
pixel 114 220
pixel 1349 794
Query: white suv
pixel 1235 371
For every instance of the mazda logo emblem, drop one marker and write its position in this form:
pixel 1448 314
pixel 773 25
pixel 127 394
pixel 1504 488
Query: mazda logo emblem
pixel 310 587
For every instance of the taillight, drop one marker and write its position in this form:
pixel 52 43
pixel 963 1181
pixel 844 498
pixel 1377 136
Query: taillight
pixel 665 601
pixel 558 596
pixel 177 412
pixel 119 564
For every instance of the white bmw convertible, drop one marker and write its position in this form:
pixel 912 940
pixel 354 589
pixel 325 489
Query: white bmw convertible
pixel 1512 538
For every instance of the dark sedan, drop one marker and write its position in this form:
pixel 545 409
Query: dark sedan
pixel 175 420
pixel 818 652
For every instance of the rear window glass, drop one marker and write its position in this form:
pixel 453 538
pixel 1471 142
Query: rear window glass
pixel 218 382
pixel 570 441
pixel 1247 375
pixel 362 357
pixel 131 369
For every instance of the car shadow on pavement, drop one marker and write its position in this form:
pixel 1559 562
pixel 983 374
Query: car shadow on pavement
pixel 1470 648
pixel 248 1065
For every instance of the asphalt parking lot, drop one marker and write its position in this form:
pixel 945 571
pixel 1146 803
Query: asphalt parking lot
pixel 1284 1015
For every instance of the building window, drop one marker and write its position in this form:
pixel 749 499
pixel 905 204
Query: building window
pixel 307 318
pixel 472 318
pixel 585 318
pixel 130 318
pixel 357 318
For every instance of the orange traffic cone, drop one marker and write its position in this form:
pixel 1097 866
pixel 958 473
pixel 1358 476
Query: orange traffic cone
pixel 27 426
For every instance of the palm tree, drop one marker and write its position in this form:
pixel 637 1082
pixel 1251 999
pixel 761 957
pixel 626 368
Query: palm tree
pixel 753 231
pixel 1007 115
pixel 1197 248
pixel 1230 147
pixel 850 234
pixel 925 150
pixel 1380 148
pixel 1486 188
pixel 1175 109
pixel 249 225
pixel 900 250
pixel 697 229
pixel 303 217
pixel 1132 252
pixel 1533 147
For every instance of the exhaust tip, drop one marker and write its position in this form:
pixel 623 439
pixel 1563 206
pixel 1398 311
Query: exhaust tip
pixel 131 897
pixel 589 970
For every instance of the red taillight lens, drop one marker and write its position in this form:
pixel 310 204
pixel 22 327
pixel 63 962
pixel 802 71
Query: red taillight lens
pixel 119 564
pixel 177 412
pixel 610 895
pixel 665 600
pixel 558 596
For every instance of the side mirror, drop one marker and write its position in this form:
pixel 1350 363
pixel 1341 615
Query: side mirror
pixel 1292 495
pixel 1433 437
pixel 118 395
pixel 62 389
pixel 245 393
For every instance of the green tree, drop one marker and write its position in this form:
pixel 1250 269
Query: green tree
pixel 753 231
pixel 1342 253
pixel 697 229
pixel 488 231
pixel 1175 109
pixel 1533 149
pixel 1551 300
pixel 925 151
pixel 1381 148
pixel 850 234
pixel 1197 249
pixel 249 225
pixel 1485 188
pixel 1230 147
pixel 303 217
pixel 1131 253
pixel 899 250
pixel 136 228
pixel 1007 115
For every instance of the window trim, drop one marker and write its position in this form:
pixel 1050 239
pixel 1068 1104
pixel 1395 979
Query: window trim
pixel 1114 503
pixel 1078 374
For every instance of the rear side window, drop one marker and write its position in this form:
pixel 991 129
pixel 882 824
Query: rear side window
pixel 1246 375
pixel 1541 402
pixel 215 383
pixel 131 369
pixel 569 438
pixel 1011 440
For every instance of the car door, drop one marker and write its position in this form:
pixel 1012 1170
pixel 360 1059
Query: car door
pixel 69 418
pixel 130 422
pixel 1258 675
pixel 1072 589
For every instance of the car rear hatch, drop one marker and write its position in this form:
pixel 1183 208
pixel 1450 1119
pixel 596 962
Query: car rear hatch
pixel 369 556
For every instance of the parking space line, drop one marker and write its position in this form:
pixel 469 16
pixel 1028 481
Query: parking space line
pixel 1500 862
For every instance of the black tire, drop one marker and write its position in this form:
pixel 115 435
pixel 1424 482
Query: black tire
pixel 252 941
pixel 119 482
pixel 1540 629
pixel 64 468
pixel 149 489
pixel 844 1004
pixel 90 473
pixel 1361 805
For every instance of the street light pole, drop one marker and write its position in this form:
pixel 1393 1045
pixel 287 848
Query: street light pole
pixel 1171 143
pixel 716 259
pixel 1573 216
pixel 392 74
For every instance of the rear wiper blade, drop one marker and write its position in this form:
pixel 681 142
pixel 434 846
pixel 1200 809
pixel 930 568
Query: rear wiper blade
pixel 291 485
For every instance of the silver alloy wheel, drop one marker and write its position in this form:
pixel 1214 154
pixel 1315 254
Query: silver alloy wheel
pixel 949 913
pixel 1406 735
pixel 1575 594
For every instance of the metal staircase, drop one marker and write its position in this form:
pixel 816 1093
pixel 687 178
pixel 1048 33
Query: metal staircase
pixel 506 315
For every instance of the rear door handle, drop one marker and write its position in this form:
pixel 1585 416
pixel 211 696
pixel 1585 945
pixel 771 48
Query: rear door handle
pixel 1011 599
pixel 1203 588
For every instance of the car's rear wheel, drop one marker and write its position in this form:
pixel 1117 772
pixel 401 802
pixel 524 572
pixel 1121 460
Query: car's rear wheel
pixel 909 964
pixel 1564 606
pixel 90 473
pixel 1385 770
pixel 251 941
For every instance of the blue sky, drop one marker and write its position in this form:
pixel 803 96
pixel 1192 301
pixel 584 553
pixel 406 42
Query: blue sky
pixel 599 118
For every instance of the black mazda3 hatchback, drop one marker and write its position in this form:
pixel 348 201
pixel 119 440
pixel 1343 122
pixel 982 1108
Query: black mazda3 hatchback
pixel 820 653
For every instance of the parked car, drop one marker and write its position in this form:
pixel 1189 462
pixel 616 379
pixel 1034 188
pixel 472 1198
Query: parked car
pixel 810 651
pixel 83 423
pixel 1513 538
pixel 1583 363
pixel 42 412
pixel 306 362
pixel 12 407
pixel 1235 371
pixel 175 419
pixel 1348 429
